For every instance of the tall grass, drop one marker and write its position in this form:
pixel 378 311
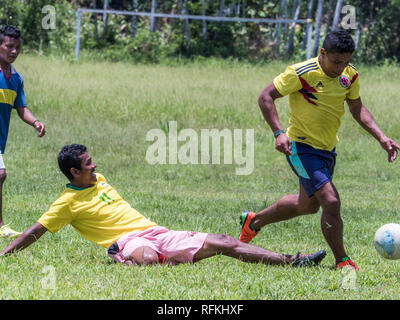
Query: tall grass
pixel 111 106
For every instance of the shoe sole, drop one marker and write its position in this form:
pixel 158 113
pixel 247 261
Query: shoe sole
pixel 243 218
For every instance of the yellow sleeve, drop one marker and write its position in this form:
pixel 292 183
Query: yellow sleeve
pixel 354 92
pixel 57 217
pixel 287 82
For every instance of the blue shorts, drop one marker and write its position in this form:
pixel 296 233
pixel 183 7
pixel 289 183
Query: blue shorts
pixel 314 167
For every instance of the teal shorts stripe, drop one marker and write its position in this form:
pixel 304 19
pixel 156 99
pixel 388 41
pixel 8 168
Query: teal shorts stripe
pixel 296 162
pixel 314 167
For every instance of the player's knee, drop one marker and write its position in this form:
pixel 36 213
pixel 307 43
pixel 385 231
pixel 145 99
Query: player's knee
pixel 144 256
pixel 150 258
pixel 226 242
pixel 331 205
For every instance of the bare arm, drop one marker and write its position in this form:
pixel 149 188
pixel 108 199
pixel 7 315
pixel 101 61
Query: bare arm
pixel 266 101
pixel 366 120
pixel 27 116
pixel 24 240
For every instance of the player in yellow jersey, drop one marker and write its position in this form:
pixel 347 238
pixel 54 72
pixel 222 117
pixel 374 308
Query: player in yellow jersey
pixel 96 210
pixel 317 90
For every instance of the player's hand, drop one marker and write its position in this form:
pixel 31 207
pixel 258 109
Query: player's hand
pixel 391 148
pixel 40 127
pixel 284 144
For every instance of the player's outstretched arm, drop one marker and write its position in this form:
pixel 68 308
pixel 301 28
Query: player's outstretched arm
pixel 362 115
pixel 27 116
pixel 24 240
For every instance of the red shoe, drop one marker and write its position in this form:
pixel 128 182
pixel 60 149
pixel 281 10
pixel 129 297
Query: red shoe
pixel 248 232
pixel 346 262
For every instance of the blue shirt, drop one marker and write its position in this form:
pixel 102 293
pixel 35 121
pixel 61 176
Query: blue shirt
pixel 11 96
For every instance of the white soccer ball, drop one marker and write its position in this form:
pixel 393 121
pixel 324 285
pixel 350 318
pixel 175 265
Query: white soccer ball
pixel 387 241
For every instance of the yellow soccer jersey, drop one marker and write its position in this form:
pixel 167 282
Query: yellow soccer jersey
pixel 316 101
pixel 98 213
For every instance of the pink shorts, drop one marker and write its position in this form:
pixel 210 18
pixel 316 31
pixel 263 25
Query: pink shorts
pixel 173 247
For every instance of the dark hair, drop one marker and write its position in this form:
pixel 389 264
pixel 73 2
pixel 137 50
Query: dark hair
pixel 339 41
pixel 9 31
pixel 69 157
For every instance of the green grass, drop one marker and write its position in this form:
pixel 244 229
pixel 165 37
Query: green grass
pixel 111 106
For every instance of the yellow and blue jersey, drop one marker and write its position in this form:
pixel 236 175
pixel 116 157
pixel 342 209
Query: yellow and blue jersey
pixel 11 96
pixel 316 101
pixel 98 213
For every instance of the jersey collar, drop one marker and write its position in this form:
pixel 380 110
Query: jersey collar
pixel 11 73
pixel 77 188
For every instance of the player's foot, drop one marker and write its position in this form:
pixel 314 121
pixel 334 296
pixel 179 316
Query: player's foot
pixel 346 262
pixel 7 232
pixel 248 232
pixel 306 260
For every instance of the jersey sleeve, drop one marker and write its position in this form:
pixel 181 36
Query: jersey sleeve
pixel 57 217
pixel 354 91
pixel 287 82
pixel 20 99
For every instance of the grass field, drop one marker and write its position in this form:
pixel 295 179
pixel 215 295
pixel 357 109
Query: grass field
pixel 111 106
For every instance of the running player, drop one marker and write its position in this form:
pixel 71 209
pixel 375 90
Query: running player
pixel 317 90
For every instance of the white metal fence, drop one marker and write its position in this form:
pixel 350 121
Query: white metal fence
pixel 311 49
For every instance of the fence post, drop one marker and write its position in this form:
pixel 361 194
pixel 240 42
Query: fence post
pixel 96 32
pixel 279 26
pixel 308 36
pixel 152 17
pixel 296 12
pixel 203 13
pixel 134 19
pixel 358 34
pixel 78 34
pixel 336 18
pixel 186 23
pixel 285 30
pixel 105 16
pixel 320 9
pixel 328 19
pixel 221 8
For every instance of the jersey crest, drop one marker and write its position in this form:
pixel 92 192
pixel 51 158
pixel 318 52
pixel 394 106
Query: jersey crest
pixel 344 81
